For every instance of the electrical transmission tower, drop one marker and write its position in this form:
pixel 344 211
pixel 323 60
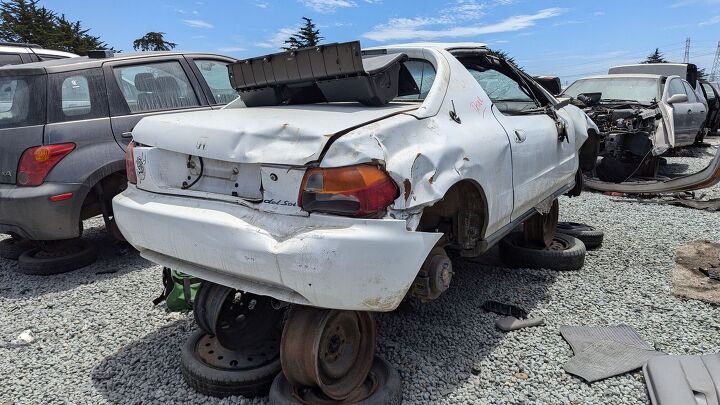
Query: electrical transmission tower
pixel 687 51
pixel 716 66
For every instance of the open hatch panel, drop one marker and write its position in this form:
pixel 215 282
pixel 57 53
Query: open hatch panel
pixel 327 73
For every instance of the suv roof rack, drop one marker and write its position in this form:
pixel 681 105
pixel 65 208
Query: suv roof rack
pixel 20 44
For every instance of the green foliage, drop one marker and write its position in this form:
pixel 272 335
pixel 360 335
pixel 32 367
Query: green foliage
pixel 153 41
pixel 655 57
pixel 307 35
pixel 26 22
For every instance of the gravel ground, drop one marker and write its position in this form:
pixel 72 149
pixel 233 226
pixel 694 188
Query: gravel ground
pixel 98 338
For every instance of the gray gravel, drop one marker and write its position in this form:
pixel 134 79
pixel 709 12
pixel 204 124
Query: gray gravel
pixel 98 338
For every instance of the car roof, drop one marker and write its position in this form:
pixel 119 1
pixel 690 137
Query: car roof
pixel 84 62
pixel 448 46
pixel 628 75
pixel 43 51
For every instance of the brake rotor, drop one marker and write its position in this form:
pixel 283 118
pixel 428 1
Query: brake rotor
pixel 332 350
pixel 541 228
pixel 237 319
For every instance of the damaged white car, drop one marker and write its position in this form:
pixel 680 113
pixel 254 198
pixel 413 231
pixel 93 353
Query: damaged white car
pixel 340 177
pixel 641 116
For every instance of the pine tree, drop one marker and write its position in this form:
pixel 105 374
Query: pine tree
pixel 26 22
pixel 306 36
pixel 153 41
pixel 655 57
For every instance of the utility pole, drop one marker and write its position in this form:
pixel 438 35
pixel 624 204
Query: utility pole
pixel 687 51
pixel 716 66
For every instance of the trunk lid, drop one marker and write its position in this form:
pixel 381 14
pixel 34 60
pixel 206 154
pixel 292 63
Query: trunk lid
pixel 286 135
pixel 22 117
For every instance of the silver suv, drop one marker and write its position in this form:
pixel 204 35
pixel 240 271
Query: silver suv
pixel 64 125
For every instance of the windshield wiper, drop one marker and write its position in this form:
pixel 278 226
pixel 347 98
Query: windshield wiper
pixel 619 100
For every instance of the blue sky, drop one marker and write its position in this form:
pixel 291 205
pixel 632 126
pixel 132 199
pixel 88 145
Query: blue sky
pixel 566 38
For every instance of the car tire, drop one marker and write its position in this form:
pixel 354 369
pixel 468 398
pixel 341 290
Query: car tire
pixel 388 392
pixel 43 263
pixel 12 247
pixel 220 382
pixel 565 254
pixel 591 237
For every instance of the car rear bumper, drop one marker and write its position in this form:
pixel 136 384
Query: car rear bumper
pixel 319 260
pixel 28 211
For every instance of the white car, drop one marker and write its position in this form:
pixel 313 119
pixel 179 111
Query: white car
pixel 338 204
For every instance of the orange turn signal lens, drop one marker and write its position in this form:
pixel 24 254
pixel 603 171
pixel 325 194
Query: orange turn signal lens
pixel 361 190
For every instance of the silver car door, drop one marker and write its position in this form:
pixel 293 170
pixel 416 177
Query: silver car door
pixel 681 111
pixel 698 108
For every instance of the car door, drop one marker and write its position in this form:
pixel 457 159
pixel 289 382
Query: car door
pixel 541 162
pixel 138 88
pixel 699 110
pixel 681 111
pixel 212 73
pixel 713 97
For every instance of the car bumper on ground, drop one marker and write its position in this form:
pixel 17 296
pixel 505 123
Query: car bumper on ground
pixel 29 212
pixel 319 260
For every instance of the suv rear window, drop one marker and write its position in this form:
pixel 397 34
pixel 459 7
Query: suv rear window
pixel 78 95
pixel 22 101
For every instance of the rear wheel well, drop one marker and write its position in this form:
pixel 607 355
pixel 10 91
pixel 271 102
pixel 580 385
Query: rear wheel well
pixel 461 215
pixel 102 192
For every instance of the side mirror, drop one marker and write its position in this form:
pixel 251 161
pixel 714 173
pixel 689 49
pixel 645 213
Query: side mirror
pixel 550 83
pixel 677 98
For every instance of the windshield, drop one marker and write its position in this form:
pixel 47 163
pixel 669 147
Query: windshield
pixel 642 90
pixel 22 101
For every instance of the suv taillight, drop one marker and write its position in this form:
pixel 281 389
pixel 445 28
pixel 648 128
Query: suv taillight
pixel 360 191
pixel 130 163
pixel 36 162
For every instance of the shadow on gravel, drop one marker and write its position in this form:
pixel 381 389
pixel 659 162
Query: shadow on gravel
pixel 148 370
pixel 114 259
pixel 436 345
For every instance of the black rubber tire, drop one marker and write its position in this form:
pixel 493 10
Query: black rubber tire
pixel 29 263
pixel 11 248
pixel 221 383
pixel 515 253
pixel 591 237
pixel 389 392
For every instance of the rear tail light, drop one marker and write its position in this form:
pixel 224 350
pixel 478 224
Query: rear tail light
pixel 130 163
pixel 361 191
pixel 36 162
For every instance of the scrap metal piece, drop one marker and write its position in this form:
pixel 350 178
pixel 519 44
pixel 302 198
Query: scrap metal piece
pixel 705 178
pixel 582 337
pixel 605 359
pixel 683 380
pixel 505 309
pixel 510 323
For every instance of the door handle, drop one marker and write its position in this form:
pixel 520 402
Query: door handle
pixel 126 135
pixel 520 136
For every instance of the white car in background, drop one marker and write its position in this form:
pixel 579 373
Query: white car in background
pixel 337 204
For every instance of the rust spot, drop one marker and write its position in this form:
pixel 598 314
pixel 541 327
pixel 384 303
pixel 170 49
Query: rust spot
pixel 408 188
pixel 285 125
pixel 467 159
pixel 432 179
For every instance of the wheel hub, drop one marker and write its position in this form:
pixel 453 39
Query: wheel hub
pixel 329 349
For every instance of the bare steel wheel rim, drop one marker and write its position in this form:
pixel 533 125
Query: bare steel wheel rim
pixel 209 350
pixel 329 349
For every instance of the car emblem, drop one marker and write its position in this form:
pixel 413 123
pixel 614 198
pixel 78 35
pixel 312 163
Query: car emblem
pixel 202 143
pixel 6 173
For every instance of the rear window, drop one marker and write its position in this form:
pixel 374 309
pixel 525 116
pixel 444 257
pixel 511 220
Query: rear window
pixel 77 95
pixel 423 73
pixel 22 101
